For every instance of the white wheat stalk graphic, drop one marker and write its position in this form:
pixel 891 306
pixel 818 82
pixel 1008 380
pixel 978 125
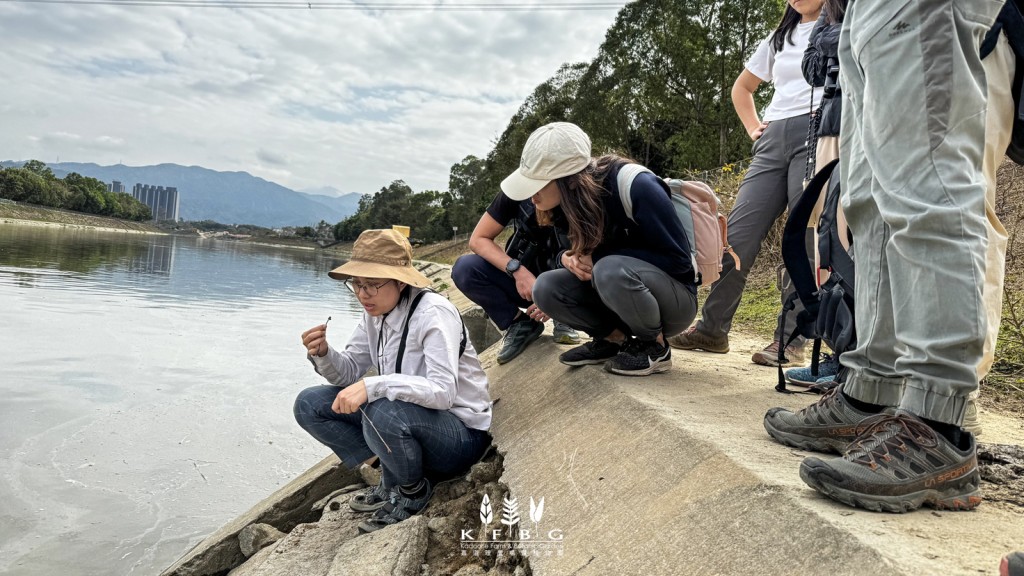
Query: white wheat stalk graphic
pixel 485 511
pixel 510 513
pixel 536 510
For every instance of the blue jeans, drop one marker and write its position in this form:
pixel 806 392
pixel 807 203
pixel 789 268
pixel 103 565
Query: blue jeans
pixel 490 288
pixel 424 442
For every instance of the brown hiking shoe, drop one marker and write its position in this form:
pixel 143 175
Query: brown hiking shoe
pixel 693 339
pixel 828 425
pixel 770 355
pixel 898 464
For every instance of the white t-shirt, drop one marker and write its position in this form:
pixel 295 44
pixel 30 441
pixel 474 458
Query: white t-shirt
pixel 792 93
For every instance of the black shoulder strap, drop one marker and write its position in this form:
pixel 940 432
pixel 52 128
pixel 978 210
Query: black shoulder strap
pixel 405 333
pixel 794 240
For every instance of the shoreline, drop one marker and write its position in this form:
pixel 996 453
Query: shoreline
pixel 51 224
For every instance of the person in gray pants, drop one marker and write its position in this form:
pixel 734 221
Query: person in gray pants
pixel 773 181
pixel 912 139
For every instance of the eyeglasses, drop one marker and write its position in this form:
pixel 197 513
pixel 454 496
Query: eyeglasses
pixel 370 289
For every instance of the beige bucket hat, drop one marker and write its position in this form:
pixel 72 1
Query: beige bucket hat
pixel 381 254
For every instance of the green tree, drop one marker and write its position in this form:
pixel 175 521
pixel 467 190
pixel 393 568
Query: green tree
pixel 40 169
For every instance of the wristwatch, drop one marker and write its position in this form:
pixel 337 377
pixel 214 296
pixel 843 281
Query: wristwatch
pixel 512 266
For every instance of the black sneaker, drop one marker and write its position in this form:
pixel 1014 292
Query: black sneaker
pixel 641 358
pixel 593 352
pixel 898 464
pixel 517 338
pixel 398 507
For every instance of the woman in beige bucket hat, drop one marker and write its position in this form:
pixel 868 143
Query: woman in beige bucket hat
pixel 427 413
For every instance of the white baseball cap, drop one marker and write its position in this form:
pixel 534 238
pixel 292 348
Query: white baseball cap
pixel 551 152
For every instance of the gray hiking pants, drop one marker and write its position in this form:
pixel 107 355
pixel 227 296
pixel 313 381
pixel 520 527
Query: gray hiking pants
pixel 774 181
pixel 913 131
pixel 625 293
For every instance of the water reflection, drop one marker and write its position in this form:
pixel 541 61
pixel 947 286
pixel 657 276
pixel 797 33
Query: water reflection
pixel 118 263
pixel 147 384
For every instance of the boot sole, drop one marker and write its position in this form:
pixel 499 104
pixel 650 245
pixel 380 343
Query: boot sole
pixel 760 361
pixel 952 498
pixel 366 507
pixel 568 340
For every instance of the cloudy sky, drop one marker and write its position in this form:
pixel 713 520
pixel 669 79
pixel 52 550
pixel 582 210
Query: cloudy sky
pixel 306 98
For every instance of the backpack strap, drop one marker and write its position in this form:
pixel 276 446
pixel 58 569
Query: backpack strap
pixel 405 332
pixel 628 173
pixel 794 240
pixel 1011 22
pixel 795 257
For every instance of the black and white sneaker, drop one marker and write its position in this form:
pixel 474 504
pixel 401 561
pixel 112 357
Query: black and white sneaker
pixel 593 352
pixel 641 358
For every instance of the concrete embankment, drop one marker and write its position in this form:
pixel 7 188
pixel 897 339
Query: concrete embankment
pixel 671 474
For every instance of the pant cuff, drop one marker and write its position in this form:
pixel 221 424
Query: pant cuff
pixel 922 399
pixel 873 390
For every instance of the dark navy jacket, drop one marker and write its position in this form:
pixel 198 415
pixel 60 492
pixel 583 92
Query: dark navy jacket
pixel 656 236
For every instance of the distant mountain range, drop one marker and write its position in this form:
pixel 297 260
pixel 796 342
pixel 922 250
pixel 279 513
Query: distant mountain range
pixel 227 197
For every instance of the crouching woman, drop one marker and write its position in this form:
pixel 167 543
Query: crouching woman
pixel 426 413
pixel 628 279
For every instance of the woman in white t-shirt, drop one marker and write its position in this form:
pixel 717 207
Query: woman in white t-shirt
pixel 773 181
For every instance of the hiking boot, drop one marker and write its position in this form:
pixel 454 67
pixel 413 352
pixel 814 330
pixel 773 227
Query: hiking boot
pixel 770 355
pixel 593 352
pixel 641 358
pixel 517 338
pixel 971 422
pixel 802 376
pixel 898 464
pixel 398 507
pixel 1012 564
pixel 564 334
pixel 369 500
pixel 693 339
pixel 828 425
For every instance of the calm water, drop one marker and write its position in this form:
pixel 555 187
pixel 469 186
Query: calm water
pixel 146 385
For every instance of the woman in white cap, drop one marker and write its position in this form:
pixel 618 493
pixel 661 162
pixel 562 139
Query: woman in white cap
pixel 629 282
pixel 427 413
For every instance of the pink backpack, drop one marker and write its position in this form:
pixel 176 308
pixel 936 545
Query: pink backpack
pixel 697 209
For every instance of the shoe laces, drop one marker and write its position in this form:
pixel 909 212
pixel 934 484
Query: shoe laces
pixel 885 433
pixel 636 346
pixel 517 327
pixel 773 347
pixel 632 346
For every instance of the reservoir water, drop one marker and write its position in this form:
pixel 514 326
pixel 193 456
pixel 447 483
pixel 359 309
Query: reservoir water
pixel 146 387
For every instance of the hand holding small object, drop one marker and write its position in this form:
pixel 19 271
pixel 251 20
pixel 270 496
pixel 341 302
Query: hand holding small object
pixel 315 340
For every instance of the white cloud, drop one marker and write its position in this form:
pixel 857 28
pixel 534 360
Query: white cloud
pixel 315 98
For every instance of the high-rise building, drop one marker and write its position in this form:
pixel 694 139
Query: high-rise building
pixel 163 202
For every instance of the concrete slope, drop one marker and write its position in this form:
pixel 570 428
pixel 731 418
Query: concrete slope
pixel 673 474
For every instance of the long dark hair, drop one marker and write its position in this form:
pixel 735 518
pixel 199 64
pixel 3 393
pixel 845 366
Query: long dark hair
pixel 790 19
pixel 834 11
pixel 582 203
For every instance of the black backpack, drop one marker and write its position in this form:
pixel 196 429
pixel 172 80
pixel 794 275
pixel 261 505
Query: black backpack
pixel 828 311
pixel 1011 23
